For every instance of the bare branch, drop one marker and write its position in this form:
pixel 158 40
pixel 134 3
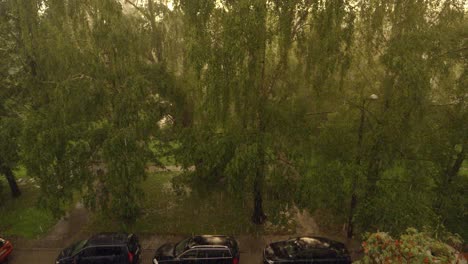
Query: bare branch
pixel 141 10
pixel 453 51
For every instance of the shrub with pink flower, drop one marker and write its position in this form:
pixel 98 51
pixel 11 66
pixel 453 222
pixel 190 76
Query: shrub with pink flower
pixel 411 247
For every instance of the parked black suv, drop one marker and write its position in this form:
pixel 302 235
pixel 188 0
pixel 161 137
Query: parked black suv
pixel 104 248
pixel 306 250
pixel 199 249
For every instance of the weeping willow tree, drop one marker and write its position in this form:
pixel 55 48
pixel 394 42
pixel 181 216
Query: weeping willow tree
pixel 375 152
pixel 252 63
pixel 271 101
pixel 259 65
pixel 11 96
pixel 413 49
pixel 91 104
pixel 231 82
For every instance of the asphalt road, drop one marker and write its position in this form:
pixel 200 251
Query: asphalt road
pixel 47 256
pixel 40 256
pixel 251 248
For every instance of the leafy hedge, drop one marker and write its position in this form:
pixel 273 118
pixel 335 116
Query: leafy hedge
pixel 411 247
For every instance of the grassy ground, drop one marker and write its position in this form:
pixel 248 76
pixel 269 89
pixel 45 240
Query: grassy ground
pixel 166 213
pixel 21 216
pixel 163 211
pixel 164 152
pixel 464 169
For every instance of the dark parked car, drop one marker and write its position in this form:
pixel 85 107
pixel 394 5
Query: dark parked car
pixel 199 249
pixel 306 250
pixel 104 248
pixel 5 249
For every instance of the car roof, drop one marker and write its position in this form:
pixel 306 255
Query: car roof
pixel 109 239
pixel 212 241
pixel 314 240
pixel 311 242
pixel 307 247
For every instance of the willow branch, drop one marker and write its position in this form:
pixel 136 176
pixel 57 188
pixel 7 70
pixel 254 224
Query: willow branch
pixel 141 10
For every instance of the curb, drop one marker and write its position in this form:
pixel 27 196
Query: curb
pixel 58 249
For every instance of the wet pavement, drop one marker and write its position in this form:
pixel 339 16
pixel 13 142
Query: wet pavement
pixel 251 248
pixel 47 256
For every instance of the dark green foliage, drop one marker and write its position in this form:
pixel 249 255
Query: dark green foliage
pixel 269 100
pixel 11 99
pixel 91 105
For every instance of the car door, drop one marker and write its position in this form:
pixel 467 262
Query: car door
pixel 304 258
pixel 85 256
pixel 319 256
pixel 188 257
pixel 103 255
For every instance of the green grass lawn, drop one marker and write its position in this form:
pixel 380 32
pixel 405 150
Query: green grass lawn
pixel 21 217
pixel 165 213
pixel 464 169
pixel 21 172
pixel 164 151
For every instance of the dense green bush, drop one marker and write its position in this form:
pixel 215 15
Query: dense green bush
pixel 1 192
pixel 411 247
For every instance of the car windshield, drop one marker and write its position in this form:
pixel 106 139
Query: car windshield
pixel 181 246
pixel 77 247
pixel 289 249
pixel 301 245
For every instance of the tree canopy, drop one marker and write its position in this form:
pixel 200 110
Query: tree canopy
pixel 354 108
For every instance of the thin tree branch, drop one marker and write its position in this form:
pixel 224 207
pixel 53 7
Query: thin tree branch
pixel 452 51
pixel 321 113
pixel 281 157
pixel 141 10
pixel 364 109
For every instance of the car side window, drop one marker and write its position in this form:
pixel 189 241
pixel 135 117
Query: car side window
pixel 213 253
pixel 219 254
pixel 202 253
pixel 189 254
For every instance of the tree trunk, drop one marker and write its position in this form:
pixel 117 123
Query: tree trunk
pixel 353 203
pixel 450 173
pixel 15 191
pixel 156 34
pixel 455 168
pixel 258 216
pixel 352 208
pixel 257 68
pixel 373 169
